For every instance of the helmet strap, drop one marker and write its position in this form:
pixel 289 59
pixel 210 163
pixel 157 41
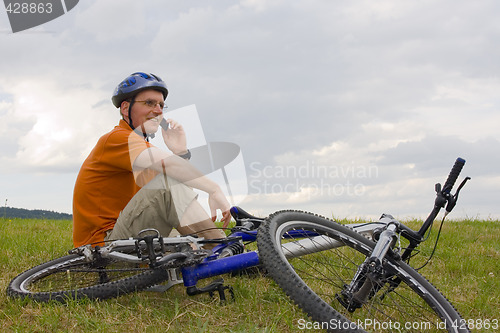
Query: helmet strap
pixel 146 136
pixel 142 129
pixel 130 113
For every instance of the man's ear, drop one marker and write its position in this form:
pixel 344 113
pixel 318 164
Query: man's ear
pixel 124 109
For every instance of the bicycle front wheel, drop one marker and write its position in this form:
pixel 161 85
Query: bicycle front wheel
pixel 73 277
pixel 314 259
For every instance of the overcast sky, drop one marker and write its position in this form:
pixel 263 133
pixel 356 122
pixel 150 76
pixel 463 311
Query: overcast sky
pixel 344 108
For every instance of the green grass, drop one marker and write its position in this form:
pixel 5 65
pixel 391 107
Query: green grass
pixel 465 268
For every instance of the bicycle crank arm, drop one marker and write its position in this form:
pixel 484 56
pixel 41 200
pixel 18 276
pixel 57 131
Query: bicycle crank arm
pixel 174 278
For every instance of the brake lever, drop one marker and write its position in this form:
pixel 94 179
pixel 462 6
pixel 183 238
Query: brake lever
pixel 462 185
pixel 452 200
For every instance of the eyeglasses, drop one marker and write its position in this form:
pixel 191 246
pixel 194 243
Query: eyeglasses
pixel 152 104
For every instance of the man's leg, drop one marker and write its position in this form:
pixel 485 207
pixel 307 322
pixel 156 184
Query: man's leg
pixel 151 207
pixel 196 221
pixel 193 219
pixel 163 204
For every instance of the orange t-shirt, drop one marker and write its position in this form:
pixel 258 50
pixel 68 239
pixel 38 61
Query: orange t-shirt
pixel 105 184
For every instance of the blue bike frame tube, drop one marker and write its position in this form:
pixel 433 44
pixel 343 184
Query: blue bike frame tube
pixel 245 236
pixel 191 275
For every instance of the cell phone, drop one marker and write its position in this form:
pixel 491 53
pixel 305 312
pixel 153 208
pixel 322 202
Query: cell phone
pixel 164 124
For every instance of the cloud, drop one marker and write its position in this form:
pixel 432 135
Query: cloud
pixel 394 174
pixel 317 78
pixel 112 21
pixel 405 87
pixel 53 126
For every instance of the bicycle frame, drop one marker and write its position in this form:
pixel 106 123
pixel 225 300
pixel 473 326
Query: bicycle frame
pixel 309 244
pixel 214 265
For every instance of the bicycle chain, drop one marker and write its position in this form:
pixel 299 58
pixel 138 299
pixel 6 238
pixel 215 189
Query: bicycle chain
pixel 195 258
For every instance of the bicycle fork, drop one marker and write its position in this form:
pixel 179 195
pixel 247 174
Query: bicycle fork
pixel 367 280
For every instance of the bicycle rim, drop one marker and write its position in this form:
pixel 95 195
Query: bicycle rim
pixel 403 301
pixel 72 277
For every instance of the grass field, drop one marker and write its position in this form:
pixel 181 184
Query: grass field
pixel 466 268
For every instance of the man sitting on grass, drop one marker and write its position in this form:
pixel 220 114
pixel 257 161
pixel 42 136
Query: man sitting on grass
pixel 127 185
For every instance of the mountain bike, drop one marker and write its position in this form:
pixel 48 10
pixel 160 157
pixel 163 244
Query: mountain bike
pixel 346 278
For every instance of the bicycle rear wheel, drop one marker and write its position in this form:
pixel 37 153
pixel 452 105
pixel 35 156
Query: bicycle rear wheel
pixel 73 277
pixel 315 272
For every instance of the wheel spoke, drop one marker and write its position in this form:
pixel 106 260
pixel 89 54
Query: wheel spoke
pixel 398 296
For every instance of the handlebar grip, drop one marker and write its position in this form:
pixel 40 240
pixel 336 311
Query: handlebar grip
pixel 452 177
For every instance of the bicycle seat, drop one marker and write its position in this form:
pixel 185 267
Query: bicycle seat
pixel 239 213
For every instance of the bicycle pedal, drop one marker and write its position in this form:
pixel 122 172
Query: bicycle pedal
pixel 217 285
pixel 222 294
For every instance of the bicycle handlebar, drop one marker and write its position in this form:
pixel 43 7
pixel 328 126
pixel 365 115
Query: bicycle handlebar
pixel 444 196
pixel 452 177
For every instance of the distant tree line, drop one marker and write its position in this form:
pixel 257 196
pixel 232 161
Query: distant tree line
pixel 10 212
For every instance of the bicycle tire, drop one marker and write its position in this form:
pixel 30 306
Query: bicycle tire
pixel 314 281
pixel 72 278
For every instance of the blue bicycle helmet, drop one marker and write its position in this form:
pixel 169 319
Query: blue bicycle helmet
pixel 134 84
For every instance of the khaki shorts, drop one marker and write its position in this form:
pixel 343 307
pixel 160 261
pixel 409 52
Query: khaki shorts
pixel 160 204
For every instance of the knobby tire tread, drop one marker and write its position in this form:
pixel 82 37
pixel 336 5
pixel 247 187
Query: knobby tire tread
pixel 103 291
pixel 293 286
pixel 281 272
